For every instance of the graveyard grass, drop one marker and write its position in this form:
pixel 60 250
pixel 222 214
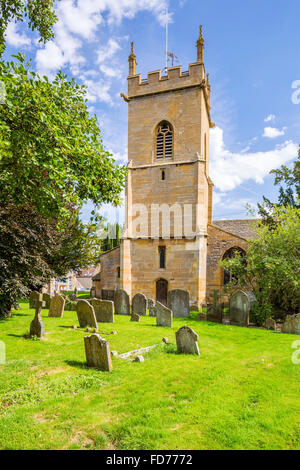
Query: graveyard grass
pixel 241 393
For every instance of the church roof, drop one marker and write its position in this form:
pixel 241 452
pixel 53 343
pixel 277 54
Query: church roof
pixel 243 228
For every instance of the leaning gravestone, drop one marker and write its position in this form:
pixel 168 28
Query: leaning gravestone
pixel 47 300
pixel 97 351
pixel 179 303
pixel 292 325
pixel 152 308
pixel 187 341
pixel 139 304
pixel 57 306
pixel 240 307
pixel 122 303
pixel 33 299
pixel 215 311
pixel 37 327
pixel 86 314
pixel 135 317
pixel 104 310
pixel 163 315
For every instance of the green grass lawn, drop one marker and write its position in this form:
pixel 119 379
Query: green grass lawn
pixel 242 393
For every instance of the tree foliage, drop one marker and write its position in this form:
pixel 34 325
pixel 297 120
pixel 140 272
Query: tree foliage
pixel 39 14
pixel 52 160
pixel 272 268
pixel 33 249
pixel 52 157
pixel 289 191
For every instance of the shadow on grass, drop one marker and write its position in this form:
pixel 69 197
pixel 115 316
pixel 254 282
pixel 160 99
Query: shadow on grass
pixel 18 336
pixel 78 364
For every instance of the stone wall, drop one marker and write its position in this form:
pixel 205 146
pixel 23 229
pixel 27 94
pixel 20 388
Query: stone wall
pixel 218 242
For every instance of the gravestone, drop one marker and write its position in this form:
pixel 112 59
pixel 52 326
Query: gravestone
pixel 97 351
pixel 33 299
pixel 163 315
pixel 57 306
pixel 187 341
pixel 292 324
pixel 86 314
pixel 139 304
pixel 47 299
pixel 37 327
pixel 122 303
pixel 135 317
pixel 215 311
pixel 179 303
pixel 240 307
pixel 271 324
pixel 92 292
pixel 152 308
pixel 104 310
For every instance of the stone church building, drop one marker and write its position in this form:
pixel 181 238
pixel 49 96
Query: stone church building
pixel 169 191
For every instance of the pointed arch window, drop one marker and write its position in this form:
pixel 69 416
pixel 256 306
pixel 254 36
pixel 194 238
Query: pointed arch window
pixel 164 140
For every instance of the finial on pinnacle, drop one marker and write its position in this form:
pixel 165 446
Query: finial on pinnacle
pixel 132 61
pixel 200 45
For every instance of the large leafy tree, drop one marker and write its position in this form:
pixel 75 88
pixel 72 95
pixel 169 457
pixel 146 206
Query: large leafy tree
pixel 272 268
pixel 52 160
pixel 52 156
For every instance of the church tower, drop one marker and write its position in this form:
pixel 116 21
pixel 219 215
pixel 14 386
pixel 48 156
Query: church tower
pixel 169 192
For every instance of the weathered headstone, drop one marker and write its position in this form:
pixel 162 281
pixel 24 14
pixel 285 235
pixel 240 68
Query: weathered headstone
pixel 187 341
pixel 37 327
pixel 135 317
pixel 97 351
pixel 104 310
pixel 179 303
pixel 271 324
pixel 139 304
pixel 292 324
pixel 240 307
pixel 86 314
pixel 122 303
pixel 47 299
pixel 92 292
pixel 152 308
pixel 33 299
pixel 215 311
pixel 163 315
pixel 57 306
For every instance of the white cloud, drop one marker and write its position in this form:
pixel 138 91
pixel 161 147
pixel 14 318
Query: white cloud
pixel 98 90
pixel 110 71
pixel 229 170
pixel 108 51
pixel 79 22
pixel 270 118
pixel 273 132
pixel 14 38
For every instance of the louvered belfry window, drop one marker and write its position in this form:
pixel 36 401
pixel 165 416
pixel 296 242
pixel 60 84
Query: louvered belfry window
pixel 164 140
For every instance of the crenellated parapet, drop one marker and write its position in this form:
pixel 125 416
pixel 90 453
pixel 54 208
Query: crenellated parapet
pixel 158 83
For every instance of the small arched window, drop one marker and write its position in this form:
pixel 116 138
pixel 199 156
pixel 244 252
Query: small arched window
pixel 164 140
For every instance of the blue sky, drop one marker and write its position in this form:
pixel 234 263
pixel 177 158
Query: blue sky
pixel 252 52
